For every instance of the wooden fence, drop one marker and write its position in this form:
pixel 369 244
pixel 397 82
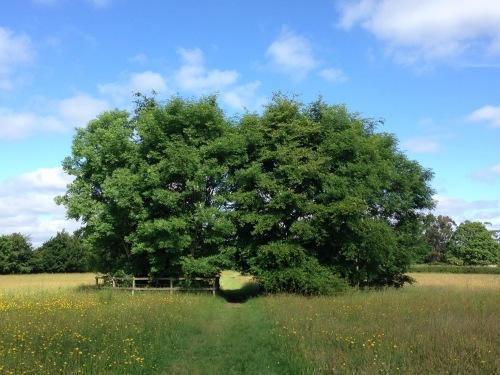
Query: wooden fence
pixel 157 284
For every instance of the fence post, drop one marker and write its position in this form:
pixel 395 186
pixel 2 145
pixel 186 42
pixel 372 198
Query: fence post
pixel 97 281
pixel 133 285
pixel 171 285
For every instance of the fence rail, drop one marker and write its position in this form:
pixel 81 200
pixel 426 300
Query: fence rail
pixel 151 284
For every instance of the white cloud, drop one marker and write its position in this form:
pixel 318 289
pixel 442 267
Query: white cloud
pixel 143 82
pixel 424 145
pixel 79 110
pixel 15 50
pixel 291 54
pixel 243 96
pixel 147 81
pixel 18 125
pixel 461 210
pixel 333 75
pixel 417 31
pixel 44 179
pixel 140 58
pixel 193 76
pixel 27 205
pixel 66 115
pixel 487 113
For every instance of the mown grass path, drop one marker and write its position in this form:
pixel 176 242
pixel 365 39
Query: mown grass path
pixel 235 339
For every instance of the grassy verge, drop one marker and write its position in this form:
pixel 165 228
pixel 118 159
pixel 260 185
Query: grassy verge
pixel 446 324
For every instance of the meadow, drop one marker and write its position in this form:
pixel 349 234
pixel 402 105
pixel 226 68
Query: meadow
pixel 60 324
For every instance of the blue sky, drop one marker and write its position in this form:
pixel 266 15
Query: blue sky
pixel 430 68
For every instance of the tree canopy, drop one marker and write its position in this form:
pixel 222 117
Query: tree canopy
pixel 61 253
pixel 473 244
pixel 300 189
pixel 15 254
pixel 438 232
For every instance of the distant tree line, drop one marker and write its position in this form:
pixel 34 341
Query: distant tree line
pixel 470 243
pixel 60 254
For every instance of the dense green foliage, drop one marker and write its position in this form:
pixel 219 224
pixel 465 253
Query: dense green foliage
pixel 62 253
pixel 149 188
pixel 297 191
pixel 318 182
pixel 473 244
pixel 15 254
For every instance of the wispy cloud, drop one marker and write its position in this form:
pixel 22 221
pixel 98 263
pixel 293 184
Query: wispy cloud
pixel 333 75
pixel 143 82
pixel 15 50
pixel 195 77
pixel 488 114
pixel 489 175
pixel 78 110
pixel 423 145
pixel 427 31
pixel 243 96
pixel 292 54
pixel 66 114
pixel 18 125
pixel 461 209
pixel 100 3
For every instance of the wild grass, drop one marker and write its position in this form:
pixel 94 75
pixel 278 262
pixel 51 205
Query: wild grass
pixel 443 324
pixel 82 330
pixel 36 283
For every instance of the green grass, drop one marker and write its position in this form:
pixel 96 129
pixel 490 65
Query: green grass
pixel 444 324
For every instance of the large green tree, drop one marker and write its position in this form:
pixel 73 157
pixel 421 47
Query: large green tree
pixel 319 180
pixel 299 190
pixel 149 187
pixel 473 244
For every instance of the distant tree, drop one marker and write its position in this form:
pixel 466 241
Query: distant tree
pixel 62 253
pixel 438 232
pixel 16 252
pixel 473 244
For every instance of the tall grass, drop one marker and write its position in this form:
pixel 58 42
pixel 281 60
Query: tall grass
pixel 441 325
pixel 90 331
pixel 432 328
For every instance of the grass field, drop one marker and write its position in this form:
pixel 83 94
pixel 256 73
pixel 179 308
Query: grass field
pixel 58 324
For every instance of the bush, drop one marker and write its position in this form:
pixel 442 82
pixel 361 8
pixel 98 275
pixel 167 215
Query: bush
pixel 280 267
